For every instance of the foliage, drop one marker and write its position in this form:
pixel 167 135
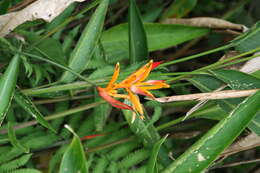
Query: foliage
pixel 49 73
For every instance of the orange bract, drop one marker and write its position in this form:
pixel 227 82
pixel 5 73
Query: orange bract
pixel 133 84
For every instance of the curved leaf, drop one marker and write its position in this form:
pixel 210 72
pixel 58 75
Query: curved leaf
pixel 198 157
pixel 84 49
pixel 7 85
pixel 73 160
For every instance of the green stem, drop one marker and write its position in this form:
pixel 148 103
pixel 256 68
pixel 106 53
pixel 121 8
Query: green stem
pixel 216 64
pixel 55 116
pixel 197 55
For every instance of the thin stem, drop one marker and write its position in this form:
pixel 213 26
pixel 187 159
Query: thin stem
pixel 216 64
pixel 60 66
pixel 60 99
pixel 197 55
pixel 55 116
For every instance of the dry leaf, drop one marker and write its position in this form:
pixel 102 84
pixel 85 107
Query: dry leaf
pixel 246 143
pixel 208 96
pixel 252 65
pixel 41 9
pixel 208 22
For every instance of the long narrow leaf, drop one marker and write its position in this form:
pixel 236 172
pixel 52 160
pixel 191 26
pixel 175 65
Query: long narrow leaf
pixel 7 85
pixel 84 49
pixel 29 107
pixel 153 158
pixel 138 50
pixel 198 157
pixel 14 141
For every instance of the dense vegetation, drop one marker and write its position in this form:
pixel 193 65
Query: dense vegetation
pixel 54 119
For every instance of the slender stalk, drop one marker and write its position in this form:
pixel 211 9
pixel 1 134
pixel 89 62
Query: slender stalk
pixel 55 116
pixel 197 55
pixel 216 64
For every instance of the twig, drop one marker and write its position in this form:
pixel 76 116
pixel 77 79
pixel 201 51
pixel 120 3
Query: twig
pixel 209 96
pixel 237 163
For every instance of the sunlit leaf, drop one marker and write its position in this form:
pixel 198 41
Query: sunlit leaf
pixel 82 53
pixel 201 154
pixel 7 85
pixel 73 160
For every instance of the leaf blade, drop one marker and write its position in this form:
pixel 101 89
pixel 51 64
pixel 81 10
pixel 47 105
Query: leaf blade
pixel 137 37
pixel 14 141
pixel 198 157
pixel 7 85
pixel 74 160
pixel 29 107
pixel 84 49
pixel 155 151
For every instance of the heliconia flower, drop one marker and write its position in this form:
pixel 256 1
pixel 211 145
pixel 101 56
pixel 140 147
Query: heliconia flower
pixel 109 91
pixel 133 84
pixel 106 96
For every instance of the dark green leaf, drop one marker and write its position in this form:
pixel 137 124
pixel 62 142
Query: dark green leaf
pixel 249 40
pixel 153 158
pixel 4 5
pixel 29 107
pixel 159 36
pixel 240 81
pixel 14 141
pixel 7 85
pixel 138 50
pixel 148 135
pixel 200 155
pixel 73 160
pixel 237 80
pixel 61 18
pixel 82 54
pixel 48 47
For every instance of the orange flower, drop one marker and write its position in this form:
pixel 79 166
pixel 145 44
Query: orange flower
pixel 133 84
pixel 110 90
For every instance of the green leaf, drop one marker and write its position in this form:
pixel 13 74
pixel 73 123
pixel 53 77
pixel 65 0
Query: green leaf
pixel 249 40
pixel 26 170
pixel 73 160
pixel 138 50
pixel 148 135
pixel 14 164
pixel 61 18
pixel 153 158
pixel 48 47
pixel 240 81
pixel 159 36
pixel 26 103
pixel 7 85
pixel 237 80
pixel 179 9
pixel 4 5
pixel 14 141
pixel 254 125
pixel 82 54
pixel 200 155
pixel 207 83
